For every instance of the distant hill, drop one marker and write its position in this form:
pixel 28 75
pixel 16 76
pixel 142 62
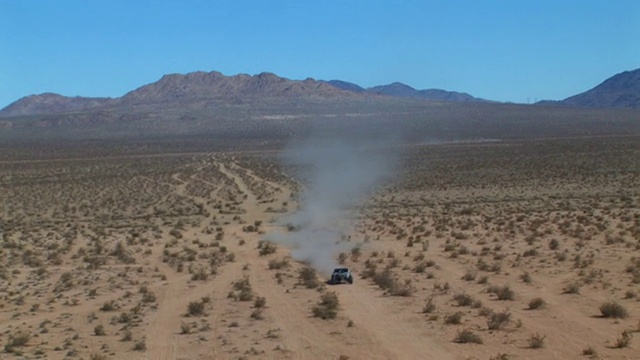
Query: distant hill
pixel 220 88
pixel 619 91
pixel 184 90
pixel 49 103
pixel 398 89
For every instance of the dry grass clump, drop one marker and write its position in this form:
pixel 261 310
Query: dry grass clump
pixel 327 308
pixel 624 340
pixel 20 339
pixel 429 307
pixel 572 288
pixel 537 303
pixel 613 310
pixel 242 290
pixel 308 277
pixel 386 281
pixel 498 320
pixel 454 319
pixel 467 336
pixel 502 292
pixel 536 341
pixel 266 248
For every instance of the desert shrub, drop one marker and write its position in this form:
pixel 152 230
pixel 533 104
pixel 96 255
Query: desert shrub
pixel 454 319
pixel 243 290
pixel 308 277
pixel 200 275
pixel 384 279
pixel 126 336
pixel 526 277
pixel 278 264
pixel 537 303
pixel 624 340
pixel 140 345
pixel 266 247
pixel 500 356
pixel 109 306
pixel 257 314
pixel 469 275
pixel 502 292
pixel 536 341
pixel 260 302
pixel 554 244
pixel 467 336
pixel 19 339
pixel 149 297
pixel 327 308
pixel 429 307
pixel 420 267
pixel 498 320
pixel 195 308
pixel 572 288
pixel 185 328
pixel 613 310
pixel 99 330
pixel 463 299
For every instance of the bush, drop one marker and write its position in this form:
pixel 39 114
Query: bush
pixel 537 303
pixel 573 288
pixel 624 340
pixel 327 308
pixel 454 319
pixel 429 307
pixel 278 264
pixel 498 320
pixel 467 336
pixel 257 314
pixel 613 310
pixel 140 345
pixel 195 308
pixel 18 340
pixel 109 306
pixel 308 278
pixel 260 302
pixel 503 292
pixel 99 330
pixel 536 341
pixel 463 299
pixel 185 328
pixel 266 247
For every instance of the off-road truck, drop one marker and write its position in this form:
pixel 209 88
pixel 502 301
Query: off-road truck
pixel 341 274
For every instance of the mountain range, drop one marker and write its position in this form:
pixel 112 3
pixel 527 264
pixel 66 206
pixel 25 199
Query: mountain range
pixel 619 91
pixel 175 90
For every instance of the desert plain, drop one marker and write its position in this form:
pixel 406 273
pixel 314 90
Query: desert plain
pixel 501 249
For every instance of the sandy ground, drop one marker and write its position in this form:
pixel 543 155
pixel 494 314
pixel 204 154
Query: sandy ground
pixel 184 282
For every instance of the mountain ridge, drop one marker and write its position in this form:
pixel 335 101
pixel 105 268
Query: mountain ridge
pixel 213 88
pixel 621 90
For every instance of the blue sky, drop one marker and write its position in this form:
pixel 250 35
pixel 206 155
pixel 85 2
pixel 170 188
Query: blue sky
pixel 509 50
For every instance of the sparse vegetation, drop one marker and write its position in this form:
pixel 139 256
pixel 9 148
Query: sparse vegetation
pixel 327 308
pixel 467 336
pixel 450 234
pixel 613 310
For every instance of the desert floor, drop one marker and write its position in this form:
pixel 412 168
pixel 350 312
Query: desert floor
pixel 496 250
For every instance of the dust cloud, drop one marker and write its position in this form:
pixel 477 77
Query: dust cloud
pixel 337 178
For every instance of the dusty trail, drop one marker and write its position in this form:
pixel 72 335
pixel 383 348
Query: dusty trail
pixel 395 336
